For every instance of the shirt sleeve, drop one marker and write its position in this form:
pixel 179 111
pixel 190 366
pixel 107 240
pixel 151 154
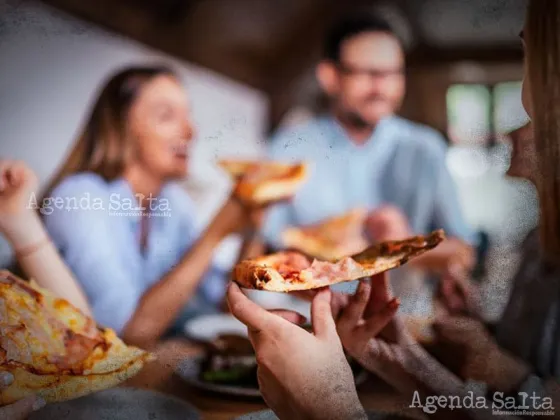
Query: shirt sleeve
pixel 87 241
pixel 448 214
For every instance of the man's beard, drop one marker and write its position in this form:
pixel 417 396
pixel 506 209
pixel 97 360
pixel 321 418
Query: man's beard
pixel 354 120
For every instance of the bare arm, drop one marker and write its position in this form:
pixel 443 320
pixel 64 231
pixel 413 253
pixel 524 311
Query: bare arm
pixel 25 232
pixel 160 304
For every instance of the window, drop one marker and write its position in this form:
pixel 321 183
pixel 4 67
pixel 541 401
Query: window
pixel 480 115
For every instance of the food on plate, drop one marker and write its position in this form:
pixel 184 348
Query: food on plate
pixel 261 182
pixel 330 239
pixel 289 271
pixel 55 351
pixel 230 360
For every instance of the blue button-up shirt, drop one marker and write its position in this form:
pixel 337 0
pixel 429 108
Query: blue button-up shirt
pixel 403 164
pixel 97 226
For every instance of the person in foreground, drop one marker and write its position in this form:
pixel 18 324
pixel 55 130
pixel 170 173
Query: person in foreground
pixel 126 231
pixel 304 375
pixel 394 355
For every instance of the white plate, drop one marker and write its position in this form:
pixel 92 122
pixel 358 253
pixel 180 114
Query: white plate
pixel 209 327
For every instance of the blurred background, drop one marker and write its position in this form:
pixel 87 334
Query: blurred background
pixel 249 69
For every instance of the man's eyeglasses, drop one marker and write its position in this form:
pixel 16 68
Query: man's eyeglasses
pixel 373 73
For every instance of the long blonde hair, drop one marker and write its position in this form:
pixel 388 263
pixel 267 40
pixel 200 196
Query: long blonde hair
pixel 102 147
pixel 542 38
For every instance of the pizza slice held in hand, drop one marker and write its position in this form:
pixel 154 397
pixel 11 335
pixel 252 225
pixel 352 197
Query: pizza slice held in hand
pixel 330 239
pixel 53 350
pixel 289 271
pixel 262 182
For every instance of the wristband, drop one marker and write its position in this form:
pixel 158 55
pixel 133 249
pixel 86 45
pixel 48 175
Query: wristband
pixel 31 249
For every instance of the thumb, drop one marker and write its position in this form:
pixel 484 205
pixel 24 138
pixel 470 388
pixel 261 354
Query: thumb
pixel 321 314
pixel 21 409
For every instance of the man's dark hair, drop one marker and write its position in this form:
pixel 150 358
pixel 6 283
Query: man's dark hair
pixel 349 27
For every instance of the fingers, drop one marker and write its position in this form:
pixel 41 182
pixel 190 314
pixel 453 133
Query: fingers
pixel 21 409
pixel 321 315
pixel 4 170
pixel 375 324
pixel 353 313
pixel 245 310
pixel 289 316
pixel 380 294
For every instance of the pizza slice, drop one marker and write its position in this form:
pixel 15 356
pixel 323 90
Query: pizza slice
pixel 331 238
pixel 289 271
pixel 261 182
pixel 54 350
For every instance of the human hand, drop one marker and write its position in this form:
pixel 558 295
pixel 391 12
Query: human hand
pixel 236 216
pixel 372 334
pixel 21 409
pixel 17 184
pixel 483 359
pixel 301 375
pixel 387 223
pixel 19 222
pixel 365 314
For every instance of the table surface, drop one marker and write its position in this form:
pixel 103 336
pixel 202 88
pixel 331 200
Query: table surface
pixel 159 376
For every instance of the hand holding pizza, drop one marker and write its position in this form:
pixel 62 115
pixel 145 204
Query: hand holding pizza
pixel 21 409
pixel 301 374
pixel 236 217
pixel 373 335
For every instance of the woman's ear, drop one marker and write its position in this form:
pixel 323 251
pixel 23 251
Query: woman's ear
pixel 327 76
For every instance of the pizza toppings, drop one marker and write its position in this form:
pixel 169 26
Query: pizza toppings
pixel 53 349
pixel 291 271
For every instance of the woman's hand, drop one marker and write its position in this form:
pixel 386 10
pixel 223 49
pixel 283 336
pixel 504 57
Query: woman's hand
pixel 17 186
pixel 21 409
pixel 301 375
pixel 484 360
pixel 19 221
pixel 237 217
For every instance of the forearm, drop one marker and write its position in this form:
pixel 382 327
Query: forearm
pixel 41 261
pixel 441 382
pixel 161 304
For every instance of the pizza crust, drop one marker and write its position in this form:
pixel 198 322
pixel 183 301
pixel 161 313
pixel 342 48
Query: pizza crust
pixel 270 273
pixel 55 351
pixel 330 239
pixel 264 182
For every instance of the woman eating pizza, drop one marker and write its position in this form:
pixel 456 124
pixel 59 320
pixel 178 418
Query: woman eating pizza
pixel 125 230
pixel 522 358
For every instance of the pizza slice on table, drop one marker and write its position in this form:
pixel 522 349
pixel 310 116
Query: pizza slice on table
pixel 55 351
pixel 330 239
pixel 262 182
pixel 289 271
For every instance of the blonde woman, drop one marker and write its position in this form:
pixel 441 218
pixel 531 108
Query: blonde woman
pixel 126 231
